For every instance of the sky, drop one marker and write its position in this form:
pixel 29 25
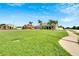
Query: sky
pixel 67 14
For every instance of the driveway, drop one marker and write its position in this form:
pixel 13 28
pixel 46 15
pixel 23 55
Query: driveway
pixel 69 43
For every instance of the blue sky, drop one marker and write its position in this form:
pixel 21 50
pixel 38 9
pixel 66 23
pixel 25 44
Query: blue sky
pixel 21 13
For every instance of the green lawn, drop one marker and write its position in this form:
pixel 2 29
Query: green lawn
pixel 31 43
pixel 77 33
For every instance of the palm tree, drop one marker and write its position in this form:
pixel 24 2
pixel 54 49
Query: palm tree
pixel 30 22
pixel 40 22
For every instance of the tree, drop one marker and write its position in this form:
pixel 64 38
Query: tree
pixel 74 27
pixel 52 21
pixel 67 28
pixel 77 27
pixel 61 26
pixel 40 22
pixel 30 22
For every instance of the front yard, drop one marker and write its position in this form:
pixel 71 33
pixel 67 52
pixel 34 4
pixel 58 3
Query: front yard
pixel 31 43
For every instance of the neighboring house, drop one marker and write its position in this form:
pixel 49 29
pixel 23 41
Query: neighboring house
pixel 6 26
pixel 53 26
pixel 28 26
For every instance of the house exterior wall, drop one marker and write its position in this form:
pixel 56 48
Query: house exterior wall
pixel 5 27
pixel 28 26
pixel 53 26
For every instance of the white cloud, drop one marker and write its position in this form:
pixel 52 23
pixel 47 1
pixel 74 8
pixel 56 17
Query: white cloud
pixel 15 4
pixel 72 13
pixel 67 19
pixel 72 9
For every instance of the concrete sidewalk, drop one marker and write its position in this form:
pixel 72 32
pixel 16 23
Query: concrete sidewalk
pixel 69 43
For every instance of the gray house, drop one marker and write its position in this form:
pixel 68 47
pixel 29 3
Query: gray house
pixel 53 26
pixel 6 26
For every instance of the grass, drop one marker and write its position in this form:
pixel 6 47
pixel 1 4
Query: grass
pixel 77 33
pixel 31 43
pixel 78 37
